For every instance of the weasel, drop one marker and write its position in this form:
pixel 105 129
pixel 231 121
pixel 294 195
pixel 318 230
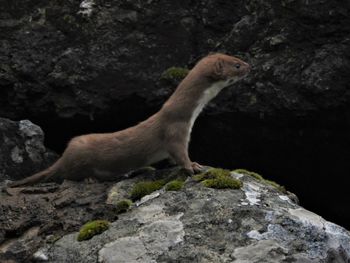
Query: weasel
pixel 166 134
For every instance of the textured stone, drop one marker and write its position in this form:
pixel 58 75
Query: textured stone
pixel 62 62
pixel 22 150
pixel 199 224
pixel 95 66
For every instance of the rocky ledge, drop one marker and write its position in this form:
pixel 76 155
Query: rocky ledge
pixel 102 65
pixel 252 220
pixel 154 215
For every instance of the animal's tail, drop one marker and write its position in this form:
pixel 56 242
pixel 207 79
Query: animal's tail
pixel 45 175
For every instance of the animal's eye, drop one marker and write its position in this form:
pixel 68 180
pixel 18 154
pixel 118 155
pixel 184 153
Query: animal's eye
pixel 237 66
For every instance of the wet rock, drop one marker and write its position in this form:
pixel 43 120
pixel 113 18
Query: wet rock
pixel 22 150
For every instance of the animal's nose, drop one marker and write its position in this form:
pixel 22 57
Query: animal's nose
pixel 248 67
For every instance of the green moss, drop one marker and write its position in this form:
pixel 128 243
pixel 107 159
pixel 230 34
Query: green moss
pixel 145 188
pixel 173 178
pixel 176 73
pixel 174 185
pixel 212 173
pixel 279 187
pixel 246 172
pixel 217 172
pixel 123 205
pixel 261 179
pixel 92 228
pixel 223 182
pixel 218 178
pixel 199 177
pixel 53 238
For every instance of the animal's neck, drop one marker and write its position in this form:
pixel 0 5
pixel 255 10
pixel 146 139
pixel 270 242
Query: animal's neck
pixel 207 96
pixel 189 99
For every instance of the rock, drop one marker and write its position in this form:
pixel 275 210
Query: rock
pixel 199 224
pixel 44 73
pixel 61 62
pixel 22 150
pixel 40 214
pixel 96 66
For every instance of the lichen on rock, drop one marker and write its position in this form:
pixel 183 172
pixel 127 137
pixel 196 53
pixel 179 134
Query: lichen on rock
pixel 212 226
pixel 261 179
pixel 250 173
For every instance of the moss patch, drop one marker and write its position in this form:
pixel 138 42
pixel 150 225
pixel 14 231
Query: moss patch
pixel 52 239
pixel 212 173
pixel 173 179
pixel 218 178
pixel 123 205
pixel 222 183
pixel 261 179
pixel 92 228
pixel 279 187
pixel 176 73
pixel 174 185
pixel 145 188
pixel 246 172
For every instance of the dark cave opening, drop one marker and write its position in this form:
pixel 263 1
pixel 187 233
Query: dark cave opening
pixel 310 159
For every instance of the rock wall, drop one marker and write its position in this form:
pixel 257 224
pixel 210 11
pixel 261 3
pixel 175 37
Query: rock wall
pixel 81 58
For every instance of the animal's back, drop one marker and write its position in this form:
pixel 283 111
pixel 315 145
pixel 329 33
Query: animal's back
pixel 108 154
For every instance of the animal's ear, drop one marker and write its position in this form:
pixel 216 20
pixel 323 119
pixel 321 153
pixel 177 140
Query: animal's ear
pixel 219 68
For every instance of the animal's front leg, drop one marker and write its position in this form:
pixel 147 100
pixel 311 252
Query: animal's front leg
pixel 179 154
pixel 197 168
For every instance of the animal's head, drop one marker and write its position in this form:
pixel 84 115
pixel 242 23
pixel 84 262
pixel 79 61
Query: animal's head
pixel 221 67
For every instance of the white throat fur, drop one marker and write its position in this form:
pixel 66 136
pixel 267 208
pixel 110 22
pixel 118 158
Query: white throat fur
pixel 207 96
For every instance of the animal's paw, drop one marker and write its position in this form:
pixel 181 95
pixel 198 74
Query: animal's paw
pixel 197 168
pixel 189 170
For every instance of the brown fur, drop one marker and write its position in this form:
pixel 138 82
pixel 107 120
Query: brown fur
pixel 163 135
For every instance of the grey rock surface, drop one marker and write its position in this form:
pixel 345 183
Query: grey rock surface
pixel 37 215
pixel 22 150
pixel 197 224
